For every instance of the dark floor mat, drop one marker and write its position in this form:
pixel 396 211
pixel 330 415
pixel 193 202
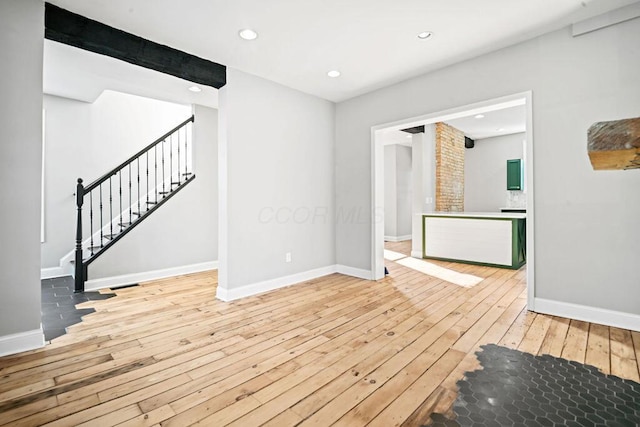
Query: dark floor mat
pixel 516 388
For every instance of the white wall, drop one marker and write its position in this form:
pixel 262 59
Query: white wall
pixel 403 191
pixel 485 171
pixel 277 183
pixel 397 192
pixel 587 239
pixel 390 192
pixel 424 183
pixel 21 41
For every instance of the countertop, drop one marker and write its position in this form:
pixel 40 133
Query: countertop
pixel 509 215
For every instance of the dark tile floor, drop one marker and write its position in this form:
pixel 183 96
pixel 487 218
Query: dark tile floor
pixel 59 305
pixel 516 388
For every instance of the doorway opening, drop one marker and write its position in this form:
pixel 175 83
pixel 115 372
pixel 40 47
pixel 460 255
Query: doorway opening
pixel 477 111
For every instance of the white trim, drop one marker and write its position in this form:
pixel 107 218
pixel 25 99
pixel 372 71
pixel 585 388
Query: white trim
pixel 127 279
pixel 585 313
pixel 529 181
pixel 354 272
pixel 272 284
pixel 42 179
pixel 613 17
pixel 377 176
pixel 397 238
pixel 49 273
pixel 416 254
pixel 22 341
pixel 223 218
pixel 495 104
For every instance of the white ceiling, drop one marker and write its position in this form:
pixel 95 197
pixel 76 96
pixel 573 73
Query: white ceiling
pixel 494 123
pixel 372 42
pixel 394 137
pixel 79 74
pixel 504 121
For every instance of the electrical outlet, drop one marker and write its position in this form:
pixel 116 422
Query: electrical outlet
pixel 287 257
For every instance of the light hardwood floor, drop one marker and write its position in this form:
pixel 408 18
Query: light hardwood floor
pixel 335 350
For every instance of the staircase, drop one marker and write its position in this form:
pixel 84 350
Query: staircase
pixel 114 204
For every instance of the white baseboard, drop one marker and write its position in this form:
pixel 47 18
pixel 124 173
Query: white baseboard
pixel 23 341
pixel 281 282
pixel 585 313
pixel 397 238
pixel 270 285
pixel 128 279
pixel 50 273
pixel 354 272
pixel 416 254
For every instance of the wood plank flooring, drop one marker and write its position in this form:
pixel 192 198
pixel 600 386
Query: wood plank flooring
pixel 332 351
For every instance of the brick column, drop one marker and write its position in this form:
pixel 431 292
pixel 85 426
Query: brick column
pixel 449 168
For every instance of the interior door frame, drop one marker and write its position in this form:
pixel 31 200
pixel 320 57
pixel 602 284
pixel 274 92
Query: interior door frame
pixel 377 176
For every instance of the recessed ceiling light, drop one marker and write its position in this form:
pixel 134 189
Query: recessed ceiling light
pixel 425 35
pixel 479 116
pixel 333 73
pixel 500 129
pixel 408 135
pixel 248 34
pixel 195 89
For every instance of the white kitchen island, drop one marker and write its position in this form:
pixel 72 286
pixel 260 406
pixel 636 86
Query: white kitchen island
pixel 485 238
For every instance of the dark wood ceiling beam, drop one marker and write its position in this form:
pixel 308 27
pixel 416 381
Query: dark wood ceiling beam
pixel 76 30
pixel 416 129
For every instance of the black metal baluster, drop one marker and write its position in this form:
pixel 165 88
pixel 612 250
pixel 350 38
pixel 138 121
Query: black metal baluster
pixel 120 190
pixel 101 220
pixel 110 210
pixel 155 166
pixel 164 192
pixel 91 220
pixel 171 162
pixel 138 172
pixel 147 159
pixel 186 157
pixel 179 180
pixel 130 204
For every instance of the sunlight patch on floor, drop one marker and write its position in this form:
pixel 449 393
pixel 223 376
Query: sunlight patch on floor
pixel 393 256
pixel 460 279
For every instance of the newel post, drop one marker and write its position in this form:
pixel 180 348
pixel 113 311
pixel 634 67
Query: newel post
pixel 79 279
